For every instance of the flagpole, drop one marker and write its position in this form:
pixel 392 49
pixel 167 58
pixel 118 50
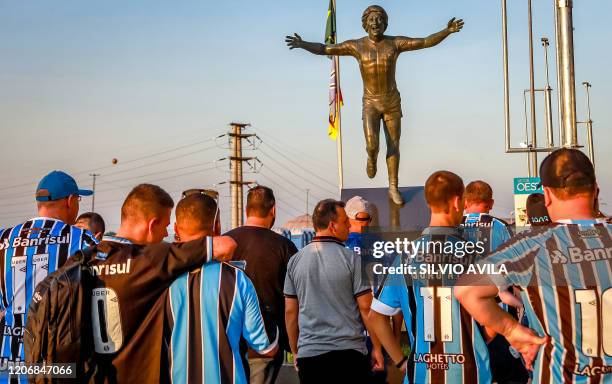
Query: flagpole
pixel 338 92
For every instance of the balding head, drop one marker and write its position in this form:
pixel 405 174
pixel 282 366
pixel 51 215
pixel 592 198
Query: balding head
pixel 478 197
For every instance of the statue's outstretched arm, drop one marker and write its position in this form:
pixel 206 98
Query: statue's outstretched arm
pixel 342 49
pixel 409 44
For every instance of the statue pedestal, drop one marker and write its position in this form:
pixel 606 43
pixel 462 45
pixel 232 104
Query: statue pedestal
pixel 412 216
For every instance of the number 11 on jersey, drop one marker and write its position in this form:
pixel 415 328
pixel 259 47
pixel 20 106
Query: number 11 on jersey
pixel 442 298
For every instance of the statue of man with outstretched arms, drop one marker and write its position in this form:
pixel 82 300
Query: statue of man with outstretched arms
pixel 377 55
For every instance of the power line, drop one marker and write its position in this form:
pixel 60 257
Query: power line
pixel 301 176
pixel 159 161
pixel 281 186
pixel 155 154
pixel 164 171
pixel 173 149
pixel 288 205
pixel 101 180
pixel 307 156
pixel 299 166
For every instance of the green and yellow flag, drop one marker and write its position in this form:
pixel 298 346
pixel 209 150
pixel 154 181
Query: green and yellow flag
pixel 335 95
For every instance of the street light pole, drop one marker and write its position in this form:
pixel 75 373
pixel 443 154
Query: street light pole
pixel 93 196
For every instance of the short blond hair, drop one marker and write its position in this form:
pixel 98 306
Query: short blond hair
pixel 441 187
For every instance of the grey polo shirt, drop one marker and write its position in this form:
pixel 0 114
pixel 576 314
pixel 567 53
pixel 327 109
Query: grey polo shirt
pixel 325 278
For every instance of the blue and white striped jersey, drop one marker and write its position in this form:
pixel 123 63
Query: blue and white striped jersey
pixel 208 312
pixel 492 231
pixel 28 253
pixel 447 346
pixel 565 272
pixel 486 228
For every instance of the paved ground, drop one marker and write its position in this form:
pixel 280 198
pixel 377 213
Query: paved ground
pixel 288 375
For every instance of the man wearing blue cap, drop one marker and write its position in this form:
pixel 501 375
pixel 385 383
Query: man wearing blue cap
pixel 30 251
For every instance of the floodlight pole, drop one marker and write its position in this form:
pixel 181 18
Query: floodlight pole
pixel 565 73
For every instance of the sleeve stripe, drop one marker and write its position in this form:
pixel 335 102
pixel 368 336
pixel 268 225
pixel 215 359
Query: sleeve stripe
pixel 290 296
pixel 365 291
pixel 271 347
pixel 384 309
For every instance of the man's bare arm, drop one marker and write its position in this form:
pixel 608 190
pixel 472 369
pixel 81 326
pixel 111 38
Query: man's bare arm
pixel 291 322
pixel 364 302
pixel 382 328
pixel 397 321
pixel 342 49
pixel 479 301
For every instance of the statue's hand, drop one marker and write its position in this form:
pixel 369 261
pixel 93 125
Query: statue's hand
pixel 455 25
pixel 294 41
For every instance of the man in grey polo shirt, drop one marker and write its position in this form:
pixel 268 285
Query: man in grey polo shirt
pixel 327 305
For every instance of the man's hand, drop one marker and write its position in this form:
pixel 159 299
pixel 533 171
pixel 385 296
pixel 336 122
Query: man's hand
pixel 295 366
pixel 455 25
pixel 526 342
pixel 294 41
pixel 223 248
pixel 378 360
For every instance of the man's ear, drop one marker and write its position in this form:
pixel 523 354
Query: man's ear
pixel 273 211
pixel 456 203
pixel 176 230
pixel 491 204
pixel 98 235
pixel 70 201
pixel 466 205
pixel 217 227
pixel 331 227
pixel 548 196
pixel 152 223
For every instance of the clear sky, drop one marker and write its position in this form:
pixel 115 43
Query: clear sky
pixel 152 82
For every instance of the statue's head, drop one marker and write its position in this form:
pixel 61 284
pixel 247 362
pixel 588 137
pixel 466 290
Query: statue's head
pixel 374 20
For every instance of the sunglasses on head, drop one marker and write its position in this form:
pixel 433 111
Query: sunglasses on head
pixel 207 192
pixel 368 218
pixel 197 191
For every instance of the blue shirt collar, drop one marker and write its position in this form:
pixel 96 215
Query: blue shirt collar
pixel 116 239
pixel 582 222
pixel 454 231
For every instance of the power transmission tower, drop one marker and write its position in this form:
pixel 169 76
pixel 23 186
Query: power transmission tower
pixel 236 181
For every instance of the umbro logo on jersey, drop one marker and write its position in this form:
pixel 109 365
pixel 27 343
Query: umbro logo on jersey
pixel 579 255
pixel 37 297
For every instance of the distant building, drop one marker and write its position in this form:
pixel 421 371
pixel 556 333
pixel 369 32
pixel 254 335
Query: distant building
pixel 299 230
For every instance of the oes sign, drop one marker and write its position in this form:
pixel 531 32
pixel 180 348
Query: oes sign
pixel 523 187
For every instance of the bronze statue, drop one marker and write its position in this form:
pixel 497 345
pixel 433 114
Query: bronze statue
pixel 377 55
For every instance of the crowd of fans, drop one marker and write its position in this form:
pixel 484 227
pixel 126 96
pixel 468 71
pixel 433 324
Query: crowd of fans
pixel 229 308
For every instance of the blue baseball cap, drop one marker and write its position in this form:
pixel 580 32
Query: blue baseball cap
pixel 58 185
